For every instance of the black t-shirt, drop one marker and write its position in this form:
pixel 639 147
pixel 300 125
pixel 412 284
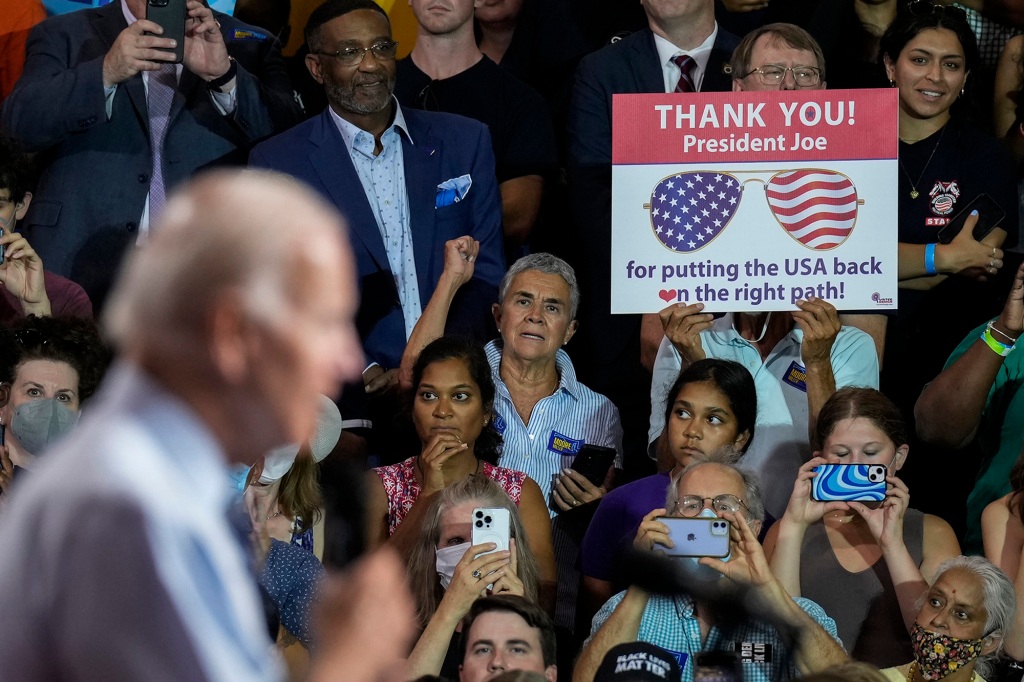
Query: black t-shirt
pixel 964 162
pixel 521 132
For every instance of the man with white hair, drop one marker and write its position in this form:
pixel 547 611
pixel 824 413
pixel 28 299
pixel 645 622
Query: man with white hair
pixel 118 559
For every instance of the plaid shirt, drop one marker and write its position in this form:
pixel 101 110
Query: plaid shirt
pixel 671 623
pixel 992 36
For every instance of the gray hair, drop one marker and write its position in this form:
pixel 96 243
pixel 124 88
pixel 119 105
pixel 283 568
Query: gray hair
pixel 224 233
pixel 548 264
pixel 422 571
pixel 726 457
pixel 1000 601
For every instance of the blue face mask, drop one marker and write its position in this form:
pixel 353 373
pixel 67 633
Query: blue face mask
pixel 40 423
pixel 697 570
pixel 237 477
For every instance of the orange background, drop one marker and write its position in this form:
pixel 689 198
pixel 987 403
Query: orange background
pixel 403 23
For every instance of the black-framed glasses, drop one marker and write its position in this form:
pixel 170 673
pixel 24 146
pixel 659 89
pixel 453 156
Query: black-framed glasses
pixel 692 505
pixel 30 339
pixel 772 74
pixel 383 51
pixel 924 8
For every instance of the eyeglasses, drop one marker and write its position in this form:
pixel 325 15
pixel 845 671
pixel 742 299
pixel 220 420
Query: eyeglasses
pixel 383 51
pixel 692 505
pixel 816 207
pixel 924 8
pixel 805 76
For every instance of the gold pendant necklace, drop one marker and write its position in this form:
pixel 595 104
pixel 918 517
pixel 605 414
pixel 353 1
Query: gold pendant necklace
pixel 913 185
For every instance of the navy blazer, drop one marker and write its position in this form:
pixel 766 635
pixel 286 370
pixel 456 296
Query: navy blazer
pixel 96 178
pixel 442 147
pixel 631 65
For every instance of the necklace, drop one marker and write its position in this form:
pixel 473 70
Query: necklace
pixel 913 667
pixel 274 515
pixel 913 185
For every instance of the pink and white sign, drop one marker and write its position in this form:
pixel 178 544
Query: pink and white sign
pixel 752 201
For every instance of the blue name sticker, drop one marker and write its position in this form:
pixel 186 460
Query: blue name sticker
pixel 564 445
pixel 244 34
pixel 499 424
pixel 680 658
pixel 796 376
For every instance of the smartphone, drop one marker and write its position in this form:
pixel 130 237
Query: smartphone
pixel 593 461
pixel 492 524
pixel 849 483
pixel 697 537
pixel 718 666
pixel 170 14
pixel 990 214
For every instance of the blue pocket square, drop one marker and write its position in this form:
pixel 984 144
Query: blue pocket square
pixel 452 191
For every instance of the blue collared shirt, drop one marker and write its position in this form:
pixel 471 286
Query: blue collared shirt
pixel 671 623
pixel 383 180
pixel 560 424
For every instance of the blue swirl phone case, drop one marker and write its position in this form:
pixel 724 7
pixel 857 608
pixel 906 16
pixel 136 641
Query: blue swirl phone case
pixel 849 483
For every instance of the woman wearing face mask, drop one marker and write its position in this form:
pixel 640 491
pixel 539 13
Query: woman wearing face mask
pixel 864 565
pixel 712 404
pixel 54 365
pixel 447 574
pixel 945 163
pixel 958 631
pixel 452 403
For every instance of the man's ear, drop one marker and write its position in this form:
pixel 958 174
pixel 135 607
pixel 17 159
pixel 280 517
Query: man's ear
pixel 313 66
pixel 21 208
pixel 551 673
pixel 228 335
pixel 496 312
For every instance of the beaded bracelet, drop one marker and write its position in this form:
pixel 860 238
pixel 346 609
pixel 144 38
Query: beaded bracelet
pixel 992 327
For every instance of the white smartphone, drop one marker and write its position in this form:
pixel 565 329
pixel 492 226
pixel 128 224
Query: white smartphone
pixel 492 524
pixel 697 537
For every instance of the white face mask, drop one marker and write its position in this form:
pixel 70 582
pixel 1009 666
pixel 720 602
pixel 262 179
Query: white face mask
pixel 447 559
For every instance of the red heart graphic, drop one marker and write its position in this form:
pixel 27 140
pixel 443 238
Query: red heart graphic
pixel 667 295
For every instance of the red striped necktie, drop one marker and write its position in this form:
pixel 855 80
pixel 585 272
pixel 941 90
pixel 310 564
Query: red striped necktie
pixel 686 66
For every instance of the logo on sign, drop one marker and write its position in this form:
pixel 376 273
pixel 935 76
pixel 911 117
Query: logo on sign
pixel 880 300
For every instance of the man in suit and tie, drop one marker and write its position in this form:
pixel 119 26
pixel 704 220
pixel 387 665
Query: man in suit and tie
pixel 118 125
pixel 406 180
pixel 682 50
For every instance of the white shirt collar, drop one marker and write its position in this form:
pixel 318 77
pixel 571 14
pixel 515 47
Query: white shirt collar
pixel 350 131
pixel 701 54
pixel 128 16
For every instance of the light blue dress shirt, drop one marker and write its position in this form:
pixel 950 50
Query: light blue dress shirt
pixel 383 180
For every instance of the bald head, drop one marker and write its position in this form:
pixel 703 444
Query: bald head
pixel 245 295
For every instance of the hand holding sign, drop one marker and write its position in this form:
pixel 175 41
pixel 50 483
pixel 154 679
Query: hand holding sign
pixel 683 325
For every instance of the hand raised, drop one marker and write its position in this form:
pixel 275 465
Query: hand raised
pixel 134 52
pixel 683 325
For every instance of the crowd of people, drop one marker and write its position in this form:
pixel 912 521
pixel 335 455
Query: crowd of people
pixel 281 336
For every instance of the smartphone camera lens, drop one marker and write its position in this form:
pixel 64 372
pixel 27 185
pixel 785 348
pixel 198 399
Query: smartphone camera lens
pixel 479 514
pixel 487 519
pixel 479 524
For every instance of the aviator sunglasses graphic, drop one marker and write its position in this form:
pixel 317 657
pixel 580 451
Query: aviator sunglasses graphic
pixel 816 207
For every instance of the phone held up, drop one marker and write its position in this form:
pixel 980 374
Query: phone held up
pixel 849 483
pixel 990 214
pixel 170 15
pixel 492 524
pixel 697 537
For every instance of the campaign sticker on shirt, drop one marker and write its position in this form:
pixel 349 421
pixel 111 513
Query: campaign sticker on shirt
pixel 680 658
pixel 755 652
pixel 796 376
pixel 564 445
pixel 243 34
pixel 499 424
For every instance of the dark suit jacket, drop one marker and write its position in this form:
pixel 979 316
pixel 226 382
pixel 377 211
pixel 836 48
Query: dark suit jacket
pixel 92 192
pixel 628 66
pixel 443 146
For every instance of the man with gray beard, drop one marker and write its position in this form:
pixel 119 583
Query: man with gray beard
pixel 407 181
